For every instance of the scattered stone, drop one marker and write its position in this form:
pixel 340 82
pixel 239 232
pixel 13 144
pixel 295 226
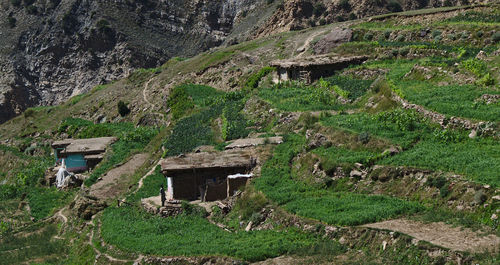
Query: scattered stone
pixel 481 55
pixel 356 174
pixel 249 226
pixel 342 241
pixel 496 198
pixel 384 244
pixel 391 151
pixel 473 134
pixel 494 217
pixel 318 140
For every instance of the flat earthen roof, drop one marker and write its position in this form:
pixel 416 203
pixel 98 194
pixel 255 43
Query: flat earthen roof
pixel 318 60
pixel 249 142
pixel 204 160
pixel 84 146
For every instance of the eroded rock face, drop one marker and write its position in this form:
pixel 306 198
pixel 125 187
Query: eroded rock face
pixel 86 206
pixel 67 47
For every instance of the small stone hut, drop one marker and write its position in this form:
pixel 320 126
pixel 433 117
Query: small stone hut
pixel 81 154
pixel 310 69
pixel 207 176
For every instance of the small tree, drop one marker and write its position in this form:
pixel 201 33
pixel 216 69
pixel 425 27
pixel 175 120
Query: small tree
pixel 123 109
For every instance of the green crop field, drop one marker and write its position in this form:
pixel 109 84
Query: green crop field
pixel 323 204
pixel 192 235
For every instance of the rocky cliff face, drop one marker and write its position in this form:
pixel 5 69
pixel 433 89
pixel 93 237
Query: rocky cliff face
pixel 300 14
pixel 51 50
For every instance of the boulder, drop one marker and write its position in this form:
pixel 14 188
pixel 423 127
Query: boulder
pixel 318 140
pixel 333 39
pixel 85 206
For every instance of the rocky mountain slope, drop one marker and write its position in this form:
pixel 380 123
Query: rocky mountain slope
pixel 52 50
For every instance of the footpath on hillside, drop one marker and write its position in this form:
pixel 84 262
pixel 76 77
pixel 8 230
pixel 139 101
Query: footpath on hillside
pixel 444 235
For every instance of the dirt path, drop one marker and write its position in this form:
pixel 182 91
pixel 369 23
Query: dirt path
pixel 99 254
pixel 309 39
pixel 141 181
pixel 441 234
pixel 111 185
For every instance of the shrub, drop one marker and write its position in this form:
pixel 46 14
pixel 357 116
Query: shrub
pixel 15 2
pixel 444 191
pixel 12 22
pixel 438 182
pixel 479 34
pixel 31 9
pixel 29 113
pixel 387 34
pixel 480 197
pixel 364 137
pixel 394 6
pixel 475 66
pixel 319 9
pixel 28 2
pixel 486 80
pixel 404 51
pixel 464 35
pixel 123 109
pixel 368 36
pixel 496 37
pixel 400 38
pixel 436 33
pixel 344 4
pixel 452 36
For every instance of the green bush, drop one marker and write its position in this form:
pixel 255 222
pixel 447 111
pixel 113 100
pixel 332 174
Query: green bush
pixel 12 22
pixel 496 37
pixel 368 36
pixel 319 9
pixel 394 6
pixel 344 4
pixel 179 102
pixel 15 2
pixel 253 80
pixel 475 66
pixel 123 109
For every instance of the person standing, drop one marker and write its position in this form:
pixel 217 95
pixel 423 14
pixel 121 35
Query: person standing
pixel 162 195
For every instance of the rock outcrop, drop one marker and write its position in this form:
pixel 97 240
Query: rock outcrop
pixel 53 50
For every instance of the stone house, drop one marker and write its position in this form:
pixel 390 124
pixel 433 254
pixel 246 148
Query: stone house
pixel 81 154
pixel 310 69
pixel 207 176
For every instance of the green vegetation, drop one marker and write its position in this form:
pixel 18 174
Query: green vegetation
pixel 192 235
pixel 151 186
pixel 16 249
pixel 123 109
pixel 299 97
pixel 206 104
pixel 43 201
pixel 322 204
pixel 427 146
pixel 253 80
pixel 355 87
